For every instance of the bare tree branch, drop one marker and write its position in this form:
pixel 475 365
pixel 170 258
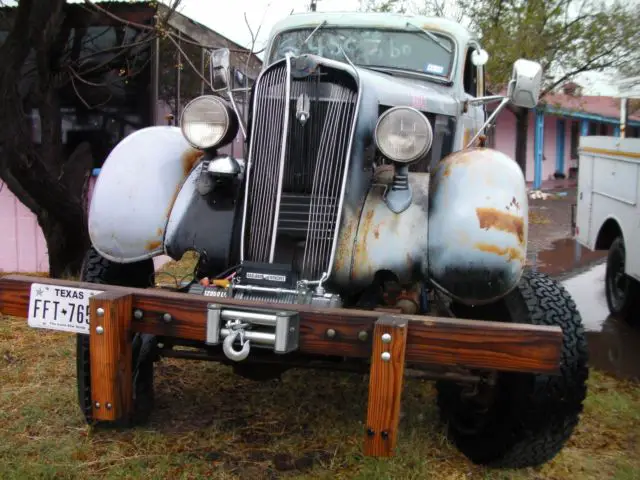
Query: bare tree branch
pixel 183 54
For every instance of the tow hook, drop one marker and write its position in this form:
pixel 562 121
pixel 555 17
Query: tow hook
pixel 277 330
pixel 236 330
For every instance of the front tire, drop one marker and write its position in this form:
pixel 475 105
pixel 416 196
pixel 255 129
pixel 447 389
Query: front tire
pixel 97 269
pixel 622 291
pixel 520 419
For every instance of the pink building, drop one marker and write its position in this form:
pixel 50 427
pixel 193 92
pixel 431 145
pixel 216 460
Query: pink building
pixel 555 128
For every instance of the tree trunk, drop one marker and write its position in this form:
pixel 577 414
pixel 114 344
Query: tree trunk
pixel 67 243
pixel 39 176
pixel 522 131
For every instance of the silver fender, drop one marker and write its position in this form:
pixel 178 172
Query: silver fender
pixel 376 238
pixel 478 225
pixel 135 192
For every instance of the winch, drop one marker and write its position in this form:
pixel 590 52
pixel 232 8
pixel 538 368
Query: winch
pixel 263 328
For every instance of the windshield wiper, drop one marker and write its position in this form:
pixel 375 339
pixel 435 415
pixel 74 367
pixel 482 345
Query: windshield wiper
pixel 393 71
pixel 324 22
pixel 431 36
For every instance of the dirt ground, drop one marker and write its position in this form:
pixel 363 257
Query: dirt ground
pixel 551 247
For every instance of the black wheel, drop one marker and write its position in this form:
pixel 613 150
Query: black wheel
pixel 97 269
pixel 516 420
pixel 622 291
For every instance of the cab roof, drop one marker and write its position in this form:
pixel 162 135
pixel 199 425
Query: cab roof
pixel 373 19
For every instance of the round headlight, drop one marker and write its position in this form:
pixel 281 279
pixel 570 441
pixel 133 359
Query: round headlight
pixel 208 121
pixel 403 134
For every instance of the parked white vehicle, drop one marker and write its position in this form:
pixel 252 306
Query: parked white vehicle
pixel 608 214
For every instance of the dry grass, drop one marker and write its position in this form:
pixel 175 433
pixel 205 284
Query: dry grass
pixel 209 423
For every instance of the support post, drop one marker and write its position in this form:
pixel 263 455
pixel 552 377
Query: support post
pixel 111 356
pixel 538 149
pixel 624 116
pixel 560 140
pixel 385 386
pixel 584 128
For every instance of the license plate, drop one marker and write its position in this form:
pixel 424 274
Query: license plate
pixel 60 308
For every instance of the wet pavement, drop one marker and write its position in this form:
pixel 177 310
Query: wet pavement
pixel 614 346
pixel 565 256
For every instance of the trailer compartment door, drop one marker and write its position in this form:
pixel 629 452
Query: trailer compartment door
pixel 584 201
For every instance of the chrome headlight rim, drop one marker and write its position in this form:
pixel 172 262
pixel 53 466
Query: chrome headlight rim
pixel 229 124
pixel 422 152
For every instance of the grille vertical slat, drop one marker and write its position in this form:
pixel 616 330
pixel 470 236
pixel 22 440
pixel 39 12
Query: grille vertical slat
pixel 315 163
pixel 263 192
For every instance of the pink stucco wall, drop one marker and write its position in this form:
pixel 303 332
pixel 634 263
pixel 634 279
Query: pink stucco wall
pixel 505 142
pixel 22 245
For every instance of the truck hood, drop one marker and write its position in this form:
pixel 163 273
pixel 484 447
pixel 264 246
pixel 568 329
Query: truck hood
pixel 392 90
pixel 386 89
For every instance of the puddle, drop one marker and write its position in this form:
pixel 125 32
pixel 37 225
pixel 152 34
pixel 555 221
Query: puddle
pixel 616 349
pixel 564 256
pixel 587 290
pixel 614 346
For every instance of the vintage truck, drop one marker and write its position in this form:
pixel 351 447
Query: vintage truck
pixel 607 209
pixel 369 227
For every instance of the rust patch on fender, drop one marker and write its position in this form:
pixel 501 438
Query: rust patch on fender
pixel 189 159
pixel 507 222
pixel 361 258
pixel 509 252
pixel 460 157
pixel 167 213
pixel 152 245
pixel 343 248
pixel 513 204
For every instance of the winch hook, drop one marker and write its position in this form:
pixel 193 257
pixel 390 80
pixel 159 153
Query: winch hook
pixel 228 349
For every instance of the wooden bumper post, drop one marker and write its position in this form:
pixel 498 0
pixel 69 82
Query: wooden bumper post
pixel 385 386
pixel 111 356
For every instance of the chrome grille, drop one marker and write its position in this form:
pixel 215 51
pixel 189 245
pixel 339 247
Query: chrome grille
pixel 296 173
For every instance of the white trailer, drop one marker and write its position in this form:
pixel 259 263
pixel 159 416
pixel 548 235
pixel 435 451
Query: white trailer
pixel 608 213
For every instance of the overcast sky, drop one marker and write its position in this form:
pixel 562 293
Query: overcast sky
pixel 227 16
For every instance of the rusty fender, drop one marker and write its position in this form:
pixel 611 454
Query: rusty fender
pixel 478 225
pixel 135 193
pixel 376 238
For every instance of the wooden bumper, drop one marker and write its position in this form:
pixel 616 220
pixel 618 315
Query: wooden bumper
pixel 390 342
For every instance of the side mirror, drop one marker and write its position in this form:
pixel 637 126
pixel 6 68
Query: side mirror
pixel 219 63
pixel 526 80
pixel 479 57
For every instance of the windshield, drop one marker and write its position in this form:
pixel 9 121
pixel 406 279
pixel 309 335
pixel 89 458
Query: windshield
pixel 392 49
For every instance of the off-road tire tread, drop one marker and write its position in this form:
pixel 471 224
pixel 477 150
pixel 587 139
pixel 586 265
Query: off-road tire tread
pixel 97 269
pixel 545 409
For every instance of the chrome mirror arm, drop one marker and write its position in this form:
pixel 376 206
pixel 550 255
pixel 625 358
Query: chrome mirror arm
pixel 222 68
pixel 493 115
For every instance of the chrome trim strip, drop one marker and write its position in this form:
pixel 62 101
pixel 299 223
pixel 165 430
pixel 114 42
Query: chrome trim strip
pixel 255 288
pixel 252 142
pixel 283 156
pixel 334 245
